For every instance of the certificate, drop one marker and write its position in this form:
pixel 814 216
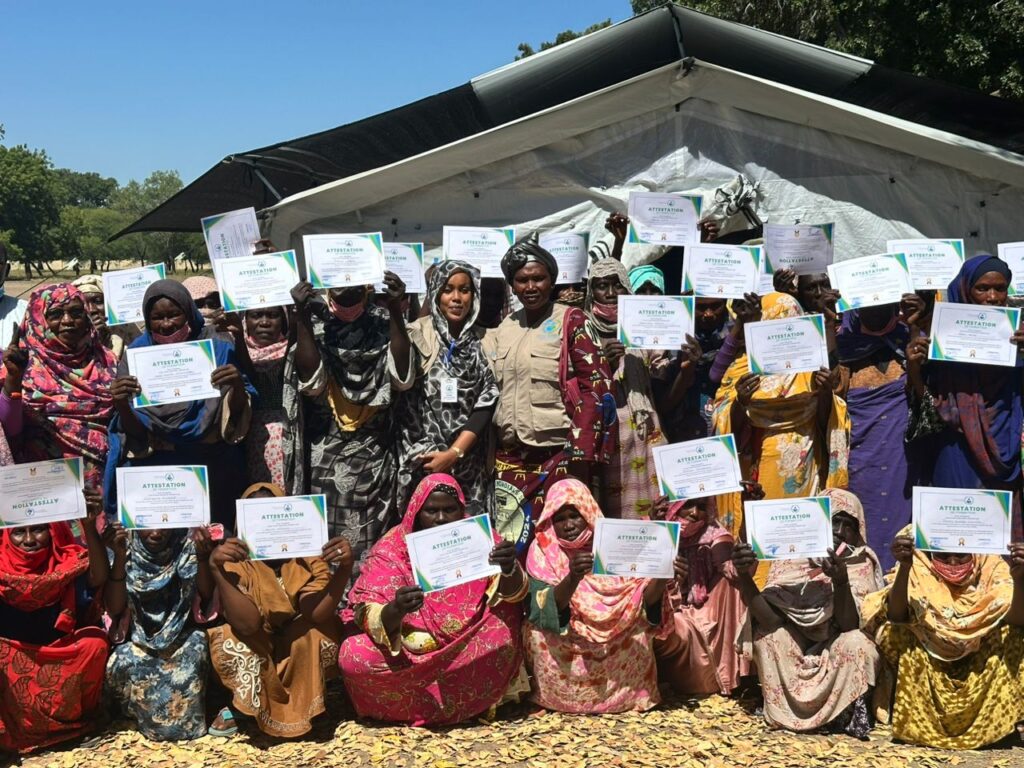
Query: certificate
pixel 933 263
pixel 283 527
pixel 452 554
pixel 870 280
pixel 789 529
pixel 479 246
pixel 1013 255
pixel 341 261
pixel 41 492
pixel 655 322
pixel 173 373
pixel 698 468
pixel 787 345
pixel 254 282
pixel 641 549
pixel 963 520
pixel 571 252
pixel 804 248
pixel 722 271
pixel 974 333
pixel 231 234
pixel 124 290
pixel 406 261
pixel 163 497
pixel 658 218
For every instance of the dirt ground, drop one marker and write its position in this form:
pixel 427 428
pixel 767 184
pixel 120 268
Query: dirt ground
pixel 712 732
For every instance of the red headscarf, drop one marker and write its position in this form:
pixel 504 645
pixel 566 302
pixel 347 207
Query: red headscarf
pixel 30 581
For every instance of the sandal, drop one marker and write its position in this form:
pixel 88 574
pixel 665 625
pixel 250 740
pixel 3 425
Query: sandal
pixel 230 728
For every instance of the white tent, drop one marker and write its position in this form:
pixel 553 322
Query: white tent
pixel 683 128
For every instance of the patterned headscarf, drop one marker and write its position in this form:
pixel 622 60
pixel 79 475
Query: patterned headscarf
pixel 525 250
pixel 696 546
pixel 603 607
pixel 89 284
pixel 646 274
pixel 67 391
pixel 264 357
pixel 200 286
pixel 161 587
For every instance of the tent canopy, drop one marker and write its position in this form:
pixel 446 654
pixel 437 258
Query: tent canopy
pixel 628 52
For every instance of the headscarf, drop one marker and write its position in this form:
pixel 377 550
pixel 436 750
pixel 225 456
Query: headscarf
pixel 272 488
pixel 632 373
pixel 265 357
pixel 524 251
pixel 200 286
pixel 981 402
pixel 445 614
pixel 646 274
pixel 949 621
pixel 602 607
pixel 89 284
pixel 161 588
pixel 355 355
pixel 67 391
pixel 855 342
pixel 801 591
pixel 30 581
pixel 696 546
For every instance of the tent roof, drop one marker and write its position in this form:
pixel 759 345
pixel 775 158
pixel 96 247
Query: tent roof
pixel 643 44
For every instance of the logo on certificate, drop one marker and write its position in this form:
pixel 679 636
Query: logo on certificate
pixel 169 477
pixel 287 507
pixel 176 353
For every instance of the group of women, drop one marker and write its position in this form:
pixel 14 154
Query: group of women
pixel 545 422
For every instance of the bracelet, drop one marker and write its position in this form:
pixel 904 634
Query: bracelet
pixel 459 453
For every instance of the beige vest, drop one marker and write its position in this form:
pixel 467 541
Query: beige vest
pixel 525 362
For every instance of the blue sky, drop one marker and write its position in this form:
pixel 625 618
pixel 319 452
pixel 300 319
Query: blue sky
pixel 125 88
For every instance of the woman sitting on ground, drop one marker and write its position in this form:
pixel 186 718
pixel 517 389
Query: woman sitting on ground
pixel 437 658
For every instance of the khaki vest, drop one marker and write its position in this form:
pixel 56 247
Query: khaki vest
pixel 525 362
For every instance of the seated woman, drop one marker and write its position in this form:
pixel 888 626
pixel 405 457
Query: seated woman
pixel 951 627
pixel 588 638
pixel 203 432
pixel 280 642
pixel 700 655
pixel 51 661
pixel 159 581
pixel 815 664
pixel 437 658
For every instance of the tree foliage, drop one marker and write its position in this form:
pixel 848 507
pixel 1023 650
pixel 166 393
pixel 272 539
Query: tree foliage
pixel 525 49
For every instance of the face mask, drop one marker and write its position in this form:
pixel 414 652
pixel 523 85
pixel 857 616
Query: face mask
pixel 688 527
pixel 609 312
pixel 580 542
pixel 177 337
pixel 957 575
pixel 346 314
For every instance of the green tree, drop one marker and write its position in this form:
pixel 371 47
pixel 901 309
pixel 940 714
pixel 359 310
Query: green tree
pixel 28 203
pixel 525 49
pixel 135 199
pixel 85 190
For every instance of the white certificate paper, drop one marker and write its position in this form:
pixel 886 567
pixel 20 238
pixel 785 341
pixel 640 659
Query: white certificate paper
pixel 406 261
pixel 933 263
pixel 1013 255
pixel 805 248
pixel 655 322
pixel 974 333
pixel 698 468
pixel 452 554
pixel 787 345
pixel 254 282
pixel 41 492
pixel 163 497
pixel 789 529
pixel 124 290
pixel 173 373
pixel 640 549
pixel 283 527
pixel 231 234
pixel 480 246
pixel 965 520
pixel 570 252
pixel 869 281
pixel 722 271
pixel 660 218
pixel 341 261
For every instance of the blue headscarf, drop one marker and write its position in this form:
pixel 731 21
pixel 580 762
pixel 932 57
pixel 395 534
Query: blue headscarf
pixel 161 588
pixel 959 291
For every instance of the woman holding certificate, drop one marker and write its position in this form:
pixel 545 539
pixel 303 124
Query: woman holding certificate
pixel 52 656
pixel 792 433
pixel 440 657
pixel 57 390
pixel 969 415
pixel 279 646
pixel 588 638
pixel 556 413
pixel 444 419
pixel 815 664
pixel 952 626
pixel 194 432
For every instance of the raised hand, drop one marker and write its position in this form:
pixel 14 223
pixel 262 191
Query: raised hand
pixel 338 552
pixel 504 555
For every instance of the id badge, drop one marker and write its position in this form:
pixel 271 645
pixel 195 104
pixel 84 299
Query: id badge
pixel 449 390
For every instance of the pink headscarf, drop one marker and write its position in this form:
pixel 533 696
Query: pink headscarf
pixel 602 607
pixel 696 546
